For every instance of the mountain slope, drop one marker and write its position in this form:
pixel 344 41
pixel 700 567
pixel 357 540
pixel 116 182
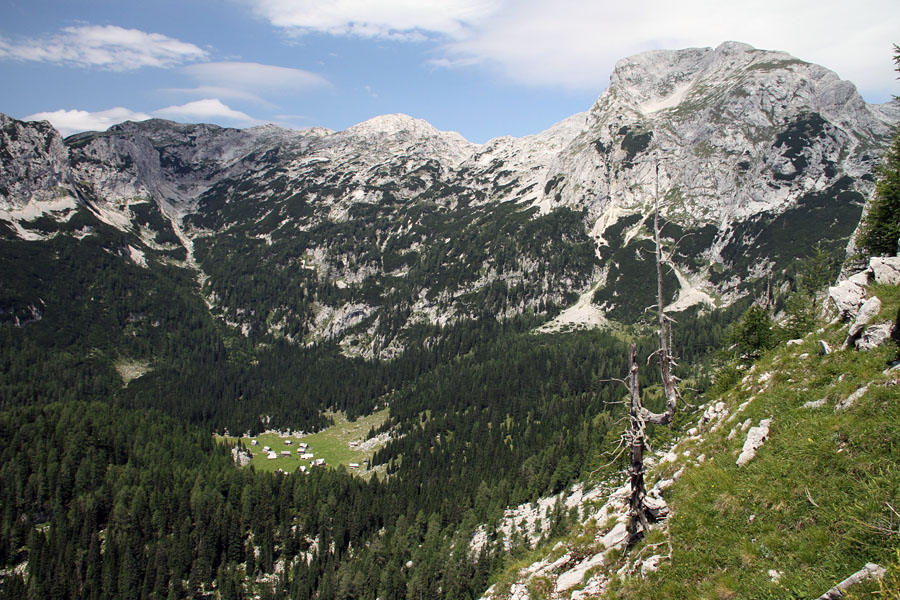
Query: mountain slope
pixel 809 506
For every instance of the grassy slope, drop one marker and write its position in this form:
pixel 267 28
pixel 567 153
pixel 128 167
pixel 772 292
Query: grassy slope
pixel 811 503
pixel 332 444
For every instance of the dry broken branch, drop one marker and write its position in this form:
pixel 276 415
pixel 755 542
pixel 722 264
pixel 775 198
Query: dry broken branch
pixel 867 572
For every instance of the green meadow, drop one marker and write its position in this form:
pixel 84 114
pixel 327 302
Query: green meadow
pixel 331 444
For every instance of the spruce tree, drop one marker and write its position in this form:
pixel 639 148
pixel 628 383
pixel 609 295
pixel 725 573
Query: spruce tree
pixel 880 232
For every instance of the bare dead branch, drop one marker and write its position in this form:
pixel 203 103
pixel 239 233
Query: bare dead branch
pixel 810 498
pixel 613 461
pixel 893 510
pixel 867 572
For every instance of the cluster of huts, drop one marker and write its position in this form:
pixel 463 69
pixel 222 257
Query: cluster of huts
pixel 303 453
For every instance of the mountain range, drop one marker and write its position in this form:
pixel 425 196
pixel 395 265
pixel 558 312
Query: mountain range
pixel 756 156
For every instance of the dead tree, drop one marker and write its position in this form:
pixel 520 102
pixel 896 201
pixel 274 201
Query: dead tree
pixel 639 517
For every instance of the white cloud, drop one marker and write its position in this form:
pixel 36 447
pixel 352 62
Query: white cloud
pixel 68 122
pixel 575 43
pixel 407 20
pixel 108 47
pixel 206 110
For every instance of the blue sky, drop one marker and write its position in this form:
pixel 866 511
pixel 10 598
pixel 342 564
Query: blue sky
pixel 484 68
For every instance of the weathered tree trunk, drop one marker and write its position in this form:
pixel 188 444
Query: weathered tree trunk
pixel 665 356
pixel 637 514
pixel 640 416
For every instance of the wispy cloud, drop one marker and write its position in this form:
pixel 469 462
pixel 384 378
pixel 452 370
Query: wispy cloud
pixel 208 91
pixel 247 81
pixel 68 122
pixel 107 47
pixel 409 20
pixel 251 77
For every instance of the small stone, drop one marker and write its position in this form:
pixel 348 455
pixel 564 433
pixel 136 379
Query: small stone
pixel 815 403
pixel 755 439
pixel 663 484
pixel 774 575
pixel 656 506
pixel 861 279
pixel 650 565
pixel 615 536
pixel 670 456
pixel 867 312
pixel 796 342
pixel 803 356
pixel 824 348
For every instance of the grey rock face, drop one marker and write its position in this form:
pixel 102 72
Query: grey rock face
pixel 170 161
pixel 34 163
pixel 738 131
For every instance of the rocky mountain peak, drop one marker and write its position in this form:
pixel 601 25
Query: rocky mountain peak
pixel 740 131
pixel 393 124
pixel 666 79
pixel 401 134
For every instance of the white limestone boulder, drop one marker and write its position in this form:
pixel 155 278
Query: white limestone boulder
pixel 847 296
pixel 885 269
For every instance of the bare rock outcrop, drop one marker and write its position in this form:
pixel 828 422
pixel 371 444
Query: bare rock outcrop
pixel 866 313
